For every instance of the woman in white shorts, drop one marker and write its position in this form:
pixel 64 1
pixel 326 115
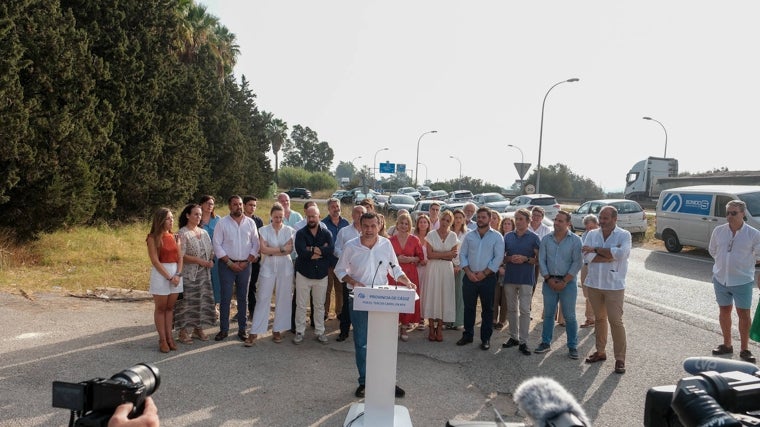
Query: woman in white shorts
pixel 165 254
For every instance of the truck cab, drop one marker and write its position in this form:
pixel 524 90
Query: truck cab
pixel 641 180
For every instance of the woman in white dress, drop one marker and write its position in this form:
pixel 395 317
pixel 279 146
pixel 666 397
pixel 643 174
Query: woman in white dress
pixel 438 300
pixel 275 275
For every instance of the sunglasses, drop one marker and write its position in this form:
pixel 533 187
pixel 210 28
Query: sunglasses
pixel 732 213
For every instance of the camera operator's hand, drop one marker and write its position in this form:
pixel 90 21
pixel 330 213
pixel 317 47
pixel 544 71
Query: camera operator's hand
pixel 149 417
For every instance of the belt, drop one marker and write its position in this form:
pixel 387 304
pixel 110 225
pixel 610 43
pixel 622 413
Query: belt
pixel 562 277
pixel 238 260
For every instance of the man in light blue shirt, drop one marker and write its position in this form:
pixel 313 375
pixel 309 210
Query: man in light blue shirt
pixel 481 254
pixel 560 259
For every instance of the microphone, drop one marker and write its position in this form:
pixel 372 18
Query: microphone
pixel 372 285
pixel 547 403
pixel 392 265
pixel 697 365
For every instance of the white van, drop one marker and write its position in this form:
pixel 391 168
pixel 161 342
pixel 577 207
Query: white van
pixel 688 215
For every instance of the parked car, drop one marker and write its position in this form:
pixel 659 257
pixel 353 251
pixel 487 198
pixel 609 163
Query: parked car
pixel 380 201
pixel 423 206
pixel 460 196
pixel 299 193
pixel 546 201
pixel 410 191
pixel 630 217
pixel 344 196
pixel 424 191
pixel 492 200
pixel 546 221
pixel 359 196
pixel 396 202
pixel 437 195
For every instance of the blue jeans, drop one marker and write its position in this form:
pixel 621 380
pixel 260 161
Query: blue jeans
pixel 360 320
pixel 227 278
pixel 470 293
pixel 567 298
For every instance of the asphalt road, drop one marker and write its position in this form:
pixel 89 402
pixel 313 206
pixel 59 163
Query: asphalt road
pixel 670 315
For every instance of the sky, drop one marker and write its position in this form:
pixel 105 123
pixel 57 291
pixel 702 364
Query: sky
pixel 368 75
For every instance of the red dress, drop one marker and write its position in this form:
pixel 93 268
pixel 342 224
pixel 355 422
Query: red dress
pixel 413 248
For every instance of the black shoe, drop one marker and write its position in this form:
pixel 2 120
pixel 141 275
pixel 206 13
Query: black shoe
pixel 524 349
pixel 722 349
pixel 341 337
pixel 243 335
pixel 292 330
pixel 464 341
pixel 220 336
pixel 485 345
pixel 359 391
pixel 510 343
pixel 400 392
pixel 747 356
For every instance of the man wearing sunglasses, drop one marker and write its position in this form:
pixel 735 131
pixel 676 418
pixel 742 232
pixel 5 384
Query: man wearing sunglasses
pixel 735 246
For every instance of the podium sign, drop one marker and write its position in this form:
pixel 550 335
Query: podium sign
pixel 387 299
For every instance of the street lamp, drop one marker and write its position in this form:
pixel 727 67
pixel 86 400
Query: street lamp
pixel 374 163
pixel 417 161
pixel 522 161
pixel 426 171
pixel 354 159
pixel 541 132
pixel 460 170
pixel 666 134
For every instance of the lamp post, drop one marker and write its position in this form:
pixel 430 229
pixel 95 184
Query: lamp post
pixel 666 134
pixel 374 164
pixel 417 161
pixel 522 160
pixel 541 132
pixel 460 170
pixel 426 170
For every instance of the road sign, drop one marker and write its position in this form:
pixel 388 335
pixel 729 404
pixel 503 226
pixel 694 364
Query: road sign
pixel 387 167
pixel 530 189
pixel 522 169
pixel 401 168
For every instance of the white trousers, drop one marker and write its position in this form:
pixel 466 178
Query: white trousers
pixel 318 290
pixel 282 286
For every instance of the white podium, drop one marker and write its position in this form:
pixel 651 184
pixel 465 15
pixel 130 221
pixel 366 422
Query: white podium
pixel 383 305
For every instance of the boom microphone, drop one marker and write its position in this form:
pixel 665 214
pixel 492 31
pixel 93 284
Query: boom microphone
pixel 697 365
pixel 547 403
pixel 372 285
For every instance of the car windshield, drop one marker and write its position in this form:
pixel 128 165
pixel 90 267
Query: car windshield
pixel 753 203
pixel 402 200
pixel 544 201
pixel 495 198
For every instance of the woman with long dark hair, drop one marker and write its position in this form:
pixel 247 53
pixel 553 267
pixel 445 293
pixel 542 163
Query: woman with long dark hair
pixel 165 253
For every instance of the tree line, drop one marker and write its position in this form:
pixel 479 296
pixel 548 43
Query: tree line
pixel 111 109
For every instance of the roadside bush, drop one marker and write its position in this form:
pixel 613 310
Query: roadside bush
pixel 322 181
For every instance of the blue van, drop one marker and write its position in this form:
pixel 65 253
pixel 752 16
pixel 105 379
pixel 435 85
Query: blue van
pixel 688 215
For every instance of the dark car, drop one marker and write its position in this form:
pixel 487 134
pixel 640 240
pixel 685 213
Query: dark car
pixel 344 196
pixel 396 202
pixel 299 193
pixel 437 195
pixel 424 207
pixel 424 190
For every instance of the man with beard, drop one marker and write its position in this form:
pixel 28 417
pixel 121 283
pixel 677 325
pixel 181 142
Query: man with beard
pixel 480 256
pixel 334 222
pixel 236 244
pixel 314 246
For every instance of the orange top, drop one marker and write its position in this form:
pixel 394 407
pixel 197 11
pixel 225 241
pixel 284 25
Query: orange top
pixel 168 251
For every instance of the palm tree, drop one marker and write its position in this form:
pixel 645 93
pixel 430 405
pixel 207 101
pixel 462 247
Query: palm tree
pixel 277 132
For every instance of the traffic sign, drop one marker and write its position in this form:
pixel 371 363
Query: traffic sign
pixel 530 189
pixel 522 168
pixel 401 167
pixel 387 167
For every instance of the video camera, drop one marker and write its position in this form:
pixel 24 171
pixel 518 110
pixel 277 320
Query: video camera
pixel 93 402
pixel 723 393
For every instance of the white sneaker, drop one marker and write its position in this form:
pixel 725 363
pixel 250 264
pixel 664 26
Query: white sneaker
pixel 298 339
pixel 322 339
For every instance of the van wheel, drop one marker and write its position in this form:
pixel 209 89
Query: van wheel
pixel 671 242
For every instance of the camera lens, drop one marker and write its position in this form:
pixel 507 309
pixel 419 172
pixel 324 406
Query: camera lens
pixel 142 373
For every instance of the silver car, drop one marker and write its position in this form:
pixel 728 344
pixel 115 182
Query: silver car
pixel 630 217
pixel 546 201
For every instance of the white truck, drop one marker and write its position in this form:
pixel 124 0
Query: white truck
pixel 641 181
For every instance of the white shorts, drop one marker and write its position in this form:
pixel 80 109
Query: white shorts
pixel 158 283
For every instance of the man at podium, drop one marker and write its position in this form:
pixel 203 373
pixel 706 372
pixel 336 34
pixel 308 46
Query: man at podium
pixel 366 261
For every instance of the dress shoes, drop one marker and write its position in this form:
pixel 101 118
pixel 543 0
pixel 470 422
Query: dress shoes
pixel 511 343
pixel 400 392
pixel 524 349
pixel 359 391
pixel 243 335
pixel 220 336
pixel 464 341
pixel 485 345
pixel 341 337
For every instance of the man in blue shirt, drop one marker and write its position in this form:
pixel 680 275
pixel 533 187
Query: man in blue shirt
pixel 480 256
pixel 334 222
pixel 560 259
pixel 521 255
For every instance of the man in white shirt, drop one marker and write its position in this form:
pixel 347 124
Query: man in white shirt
pixel 606 250
pixel 367 261
pixel 236 245
pixel 735 246
pixel 345 235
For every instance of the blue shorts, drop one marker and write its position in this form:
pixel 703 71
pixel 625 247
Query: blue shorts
pixel 740 295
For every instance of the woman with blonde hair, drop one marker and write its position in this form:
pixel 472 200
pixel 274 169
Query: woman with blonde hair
pixel 438 303
pixel 165 253
pixel 408 249
pixel 500 297
pixel 421 230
